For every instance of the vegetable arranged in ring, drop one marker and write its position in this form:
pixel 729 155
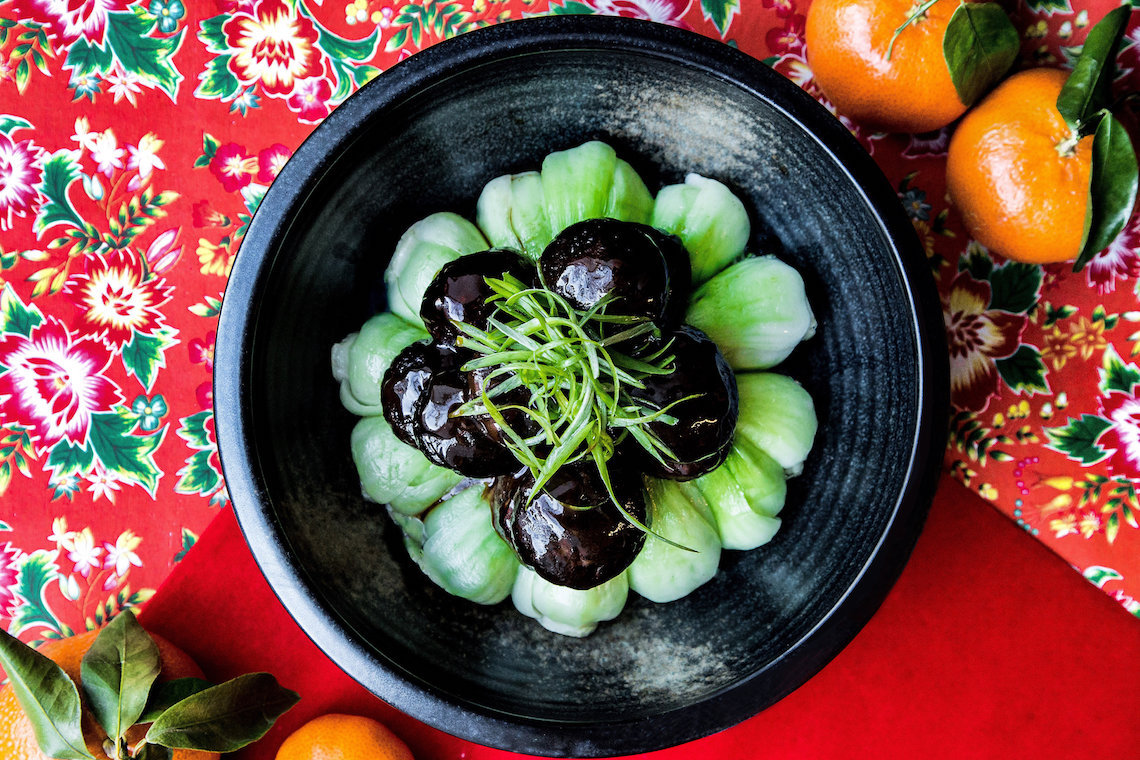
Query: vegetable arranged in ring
pixel 553 412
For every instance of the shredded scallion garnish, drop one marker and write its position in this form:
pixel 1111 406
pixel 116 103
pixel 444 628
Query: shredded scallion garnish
pixel 576 376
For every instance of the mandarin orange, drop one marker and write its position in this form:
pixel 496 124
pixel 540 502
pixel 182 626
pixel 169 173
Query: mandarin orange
pixel 1017 173
pixel 904 87
pixel 17 739
pixel 336 736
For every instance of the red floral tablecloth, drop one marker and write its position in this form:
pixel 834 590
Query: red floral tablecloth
pixel 136 139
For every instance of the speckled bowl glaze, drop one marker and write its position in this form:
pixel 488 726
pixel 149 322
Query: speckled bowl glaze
pixel 425 137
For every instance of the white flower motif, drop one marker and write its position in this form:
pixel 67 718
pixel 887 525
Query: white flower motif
pixel 144 156
pixel 60 535
pixel 104 484
pixel 121 556
pixel 69 587
pixel 106 152
pixel 83 134
pixel 124 85
pixel 84 553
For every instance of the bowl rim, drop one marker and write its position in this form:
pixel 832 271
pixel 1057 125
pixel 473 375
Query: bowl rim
pixel 245 481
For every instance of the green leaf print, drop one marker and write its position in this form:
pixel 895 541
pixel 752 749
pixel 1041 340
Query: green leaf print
pixel 1024 372
pixel 85 58
pixel 1077 440
pixel 193 430
pixel 15 315
pixel 720 13
pixel 61 170
pixel 1049 6
pixel 570 8
pixel 977 263
pixel 67 458
pixel 1115 375
pixel 217 81
pixel 35 573
pixel 1099 575
pixel 428 18
pixel 145 355
pixel 10 124
pixel 338 47
pixel 129 456
pixel 1014 287
pixel 197 477
pixel 148 57
pixel 189 538
pixel 210 32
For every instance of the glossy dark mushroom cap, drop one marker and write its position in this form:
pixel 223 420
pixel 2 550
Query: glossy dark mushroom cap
pixel 459 291
pixel 702 435
pixel 470 444
pixel 646 270
pixel 403 385
pixel 571 533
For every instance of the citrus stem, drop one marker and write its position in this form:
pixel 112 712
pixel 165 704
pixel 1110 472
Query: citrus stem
pixel 1067 147
pixel 917 13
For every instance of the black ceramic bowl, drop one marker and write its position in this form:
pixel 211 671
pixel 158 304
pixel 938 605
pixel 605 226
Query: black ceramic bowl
pixel 425 137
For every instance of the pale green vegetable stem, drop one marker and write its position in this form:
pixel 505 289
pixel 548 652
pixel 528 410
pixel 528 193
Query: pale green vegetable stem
pixel 756 311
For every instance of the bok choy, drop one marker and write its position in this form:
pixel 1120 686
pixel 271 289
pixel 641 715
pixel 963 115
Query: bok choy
pixel 756 311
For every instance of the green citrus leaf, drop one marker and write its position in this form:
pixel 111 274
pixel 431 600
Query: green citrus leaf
pixel 1112 188
pixel 223 718
pixel 117 673
pixel 979 46
pixel 169 693
pixel 1089 88
pixel 48 697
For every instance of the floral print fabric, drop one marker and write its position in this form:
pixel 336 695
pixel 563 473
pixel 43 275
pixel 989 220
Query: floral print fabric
pixel 137 139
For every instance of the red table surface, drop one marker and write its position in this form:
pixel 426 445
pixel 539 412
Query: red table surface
pixel 987 647
pixel 136 139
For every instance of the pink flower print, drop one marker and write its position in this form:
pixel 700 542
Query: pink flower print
pixel 161 254
pixel 113 299
pixel 270 162
pixel 977 336
pixel 310 99
pixel 1122 440
pixel 1121 260
pixel 788 39
pixel 69 20
pixel 202 351
pixel 204 393
pixel 205 215
pixel 53 383
pixel 784 8
pixel 21 171
pixel 233 166
pixel 273 46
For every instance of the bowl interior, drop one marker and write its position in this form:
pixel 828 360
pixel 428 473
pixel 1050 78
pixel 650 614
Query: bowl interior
pixel 310 272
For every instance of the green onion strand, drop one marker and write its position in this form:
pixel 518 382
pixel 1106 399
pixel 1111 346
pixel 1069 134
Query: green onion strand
pixel 577 383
